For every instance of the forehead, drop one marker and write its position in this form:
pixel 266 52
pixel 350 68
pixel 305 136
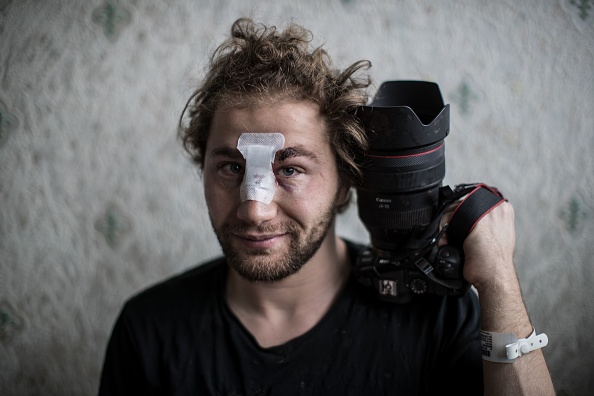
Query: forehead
pixel 300 123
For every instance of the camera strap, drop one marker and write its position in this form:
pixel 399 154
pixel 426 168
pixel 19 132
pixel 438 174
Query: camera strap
pixel 479 199
pixel 472 202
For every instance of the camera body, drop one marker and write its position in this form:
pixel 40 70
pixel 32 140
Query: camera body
pixel 398 280
pixel 401 198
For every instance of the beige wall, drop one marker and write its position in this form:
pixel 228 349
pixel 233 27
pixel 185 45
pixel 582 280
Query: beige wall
pixel 98 201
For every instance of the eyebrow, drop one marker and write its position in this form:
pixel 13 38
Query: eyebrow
pixel 229 152
pixel 292 152
pixel 281 155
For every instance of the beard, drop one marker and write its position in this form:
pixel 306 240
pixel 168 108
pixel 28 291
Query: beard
pixel 272 265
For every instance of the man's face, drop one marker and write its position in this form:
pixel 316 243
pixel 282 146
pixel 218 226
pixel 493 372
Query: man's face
pixel 270 242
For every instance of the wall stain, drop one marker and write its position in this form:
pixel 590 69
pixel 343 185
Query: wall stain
pixel 8 123
pixel 581 13
pixel 574 215
pixel 10 322
pixel 583 7
pixel 113 225
pixel 112 18
pixel 464 97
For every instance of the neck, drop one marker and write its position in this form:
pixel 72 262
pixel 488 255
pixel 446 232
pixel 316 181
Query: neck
pixel 276 312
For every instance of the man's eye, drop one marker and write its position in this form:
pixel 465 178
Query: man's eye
pixel 288 171
pixel 234 168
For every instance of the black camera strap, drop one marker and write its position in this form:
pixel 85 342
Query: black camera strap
pixel 474 202
pixel 479 199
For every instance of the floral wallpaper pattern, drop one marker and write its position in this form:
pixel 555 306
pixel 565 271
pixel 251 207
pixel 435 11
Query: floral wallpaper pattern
pixel 97 199
pixel 112 18
pixel 8 123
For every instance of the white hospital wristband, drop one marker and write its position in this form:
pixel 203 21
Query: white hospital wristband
pixel 505 348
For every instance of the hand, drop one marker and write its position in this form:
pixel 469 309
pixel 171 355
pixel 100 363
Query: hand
pixel 489 248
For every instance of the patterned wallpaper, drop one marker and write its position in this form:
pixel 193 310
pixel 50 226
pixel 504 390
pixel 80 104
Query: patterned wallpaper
pixel 97 199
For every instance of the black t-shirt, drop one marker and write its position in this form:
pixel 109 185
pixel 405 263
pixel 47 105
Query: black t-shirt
pixel 180 338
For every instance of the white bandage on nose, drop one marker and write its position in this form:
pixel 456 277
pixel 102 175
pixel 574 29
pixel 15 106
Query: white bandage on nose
pixel 259 150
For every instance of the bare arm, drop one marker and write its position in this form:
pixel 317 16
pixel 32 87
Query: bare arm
pixel 490 268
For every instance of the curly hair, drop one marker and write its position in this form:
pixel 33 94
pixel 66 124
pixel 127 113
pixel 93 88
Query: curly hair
pixel 258 63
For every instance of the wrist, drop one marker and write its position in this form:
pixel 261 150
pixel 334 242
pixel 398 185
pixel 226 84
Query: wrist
pixel 500 278
pixel 502 307
pixel 497 284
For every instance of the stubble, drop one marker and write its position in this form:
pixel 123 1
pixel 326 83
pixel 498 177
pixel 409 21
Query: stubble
pixel 266 265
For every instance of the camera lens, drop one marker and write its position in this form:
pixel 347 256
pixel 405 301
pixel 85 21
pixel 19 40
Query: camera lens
pixel 406 125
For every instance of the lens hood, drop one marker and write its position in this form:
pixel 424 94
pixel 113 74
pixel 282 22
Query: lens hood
pixel 405 115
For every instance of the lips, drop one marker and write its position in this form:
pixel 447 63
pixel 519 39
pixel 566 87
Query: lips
pixel 260 241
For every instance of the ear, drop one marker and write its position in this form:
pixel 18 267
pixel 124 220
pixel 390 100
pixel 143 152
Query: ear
pixel 344 194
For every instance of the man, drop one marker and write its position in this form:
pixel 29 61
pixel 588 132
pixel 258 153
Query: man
pixel 280 314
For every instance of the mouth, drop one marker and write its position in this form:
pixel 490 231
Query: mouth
pixel 259 241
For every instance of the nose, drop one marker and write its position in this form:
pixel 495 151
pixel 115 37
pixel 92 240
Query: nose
pixel 255 212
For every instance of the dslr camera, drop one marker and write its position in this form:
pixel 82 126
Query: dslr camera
pixel 401 199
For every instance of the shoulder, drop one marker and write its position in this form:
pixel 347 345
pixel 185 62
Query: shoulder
pixel 184 291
